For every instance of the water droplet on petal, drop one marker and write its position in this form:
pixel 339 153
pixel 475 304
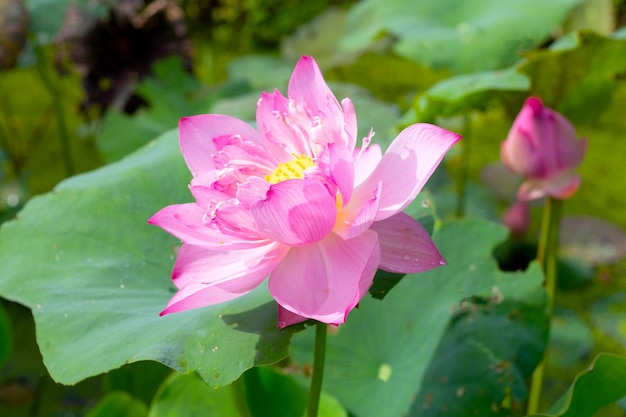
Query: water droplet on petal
pixel 443 262
pixel 406 257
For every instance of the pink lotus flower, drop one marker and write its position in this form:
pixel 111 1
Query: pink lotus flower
pixel 295 200
pixel 542 146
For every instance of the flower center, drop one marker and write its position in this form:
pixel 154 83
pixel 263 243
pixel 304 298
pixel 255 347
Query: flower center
pixel 291 170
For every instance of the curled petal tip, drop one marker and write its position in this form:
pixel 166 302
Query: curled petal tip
pixel 536 105
pixel 286 318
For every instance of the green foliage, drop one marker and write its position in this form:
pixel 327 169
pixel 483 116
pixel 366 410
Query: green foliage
pixel 570 339
pixel 602 384
pixel 479 35
pixel 494 368
pixel 105 274
pixel 465 93
pixel 389 77
pixel 6 340
pixel 318 38
pixel 172 88
pixel 377 361
pixel 186 395
pixel 119 404
pixel 245 25
pixel 169 88
pixel 583 71
pixel 32 106
pixel 261 72
pixel 46 17
pixel 578 69
pixel 596 15
pixel 608 316
pixel 271 393
pixel 260 392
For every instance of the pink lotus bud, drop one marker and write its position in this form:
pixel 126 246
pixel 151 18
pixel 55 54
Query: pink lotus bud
pixel 542 146
pixel 517 218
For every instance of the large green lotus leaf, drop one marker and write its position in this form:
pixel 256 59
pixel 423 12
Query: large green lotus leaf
pixel 596 15
pixel 119 404
pixel 261 392
pixel 271 393
pixel 376 361
pixel 463 93
pixel 477 371
pixel 477 35
pixel 183 395
pixel 389 77
pixel 579 71
pixel 602 384
pixel 96 277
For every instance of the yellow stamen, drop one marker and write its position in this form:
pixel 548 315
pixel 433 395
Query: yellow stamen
pixel 339 201
pixel 293 169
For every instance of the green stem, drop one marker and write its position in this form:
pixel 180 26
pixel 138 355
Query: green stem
pixel 461 184
pixel 546 256
pixel 7 132
pixel 318 369
pixel 57 103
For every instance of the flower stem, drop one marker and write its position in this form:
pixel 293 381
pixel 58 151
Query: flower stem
pixel 319 355
pixel 55 94
pixel 546 256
